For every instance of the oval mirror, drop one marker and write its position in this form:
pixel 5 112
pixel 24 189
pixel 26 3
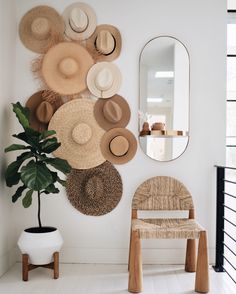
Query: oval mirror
pixel 164 98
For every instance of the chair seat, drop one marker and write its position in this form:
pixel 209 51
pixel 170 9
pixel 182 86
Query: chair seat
pixel 171 228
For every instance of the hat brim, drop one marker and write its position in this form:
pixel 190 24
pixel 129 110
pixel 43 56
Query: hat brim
pixel 57 81
pixel 25 33
pixel 105 145
pixel 94 70
pixel 106 124
pixel 91 44
pixel 92 22
pixel 112 189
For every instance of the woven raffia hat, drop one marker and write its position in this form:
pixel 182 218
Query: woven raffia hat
pixel 118 145
pixel 79 134
pixel 41 110
pixel 38 26
pixel 112 113
pixel 65 67
pixel 95 191
pixel 104 79
pixel 105 43
pixel 80 21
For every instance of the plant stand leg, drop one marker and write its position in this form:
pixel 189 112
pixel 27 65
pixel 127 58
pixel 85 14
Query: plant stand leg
pixel 25 267
pixel 190 261
pixel 56 265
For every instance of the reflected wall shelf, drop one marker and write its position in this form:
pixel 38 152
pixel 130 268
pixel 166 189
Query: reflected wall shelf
pixel 166 134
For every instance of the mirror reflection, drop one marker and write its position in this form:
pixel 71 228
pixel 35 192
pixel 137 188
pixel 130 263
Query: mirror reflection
pixel 164 98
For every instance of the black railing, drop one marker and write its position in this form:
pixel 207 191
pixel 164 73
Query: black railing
pixel 221 221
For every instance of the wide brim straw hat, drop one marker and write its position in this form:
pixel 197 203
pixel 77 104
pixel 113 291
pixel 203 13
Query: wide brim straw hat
pixel 118 145
pixel 79 134
pixel 38 26
pixel 112 113
pixel 104 79
pixel 80 21
pixel 95 191
pixel 65 67
pixel 41 110
pixel 105 43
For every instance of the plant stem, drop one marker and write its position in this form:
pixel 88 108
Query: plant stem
pixel 39 209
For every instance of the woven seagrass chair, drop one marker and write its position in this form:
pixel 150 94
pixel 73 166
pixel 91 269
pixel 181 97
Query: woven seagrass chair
pixel 166 193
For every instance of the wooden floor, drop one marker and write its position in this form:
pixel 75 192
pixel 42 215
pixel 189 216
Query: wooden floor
pixel 108 279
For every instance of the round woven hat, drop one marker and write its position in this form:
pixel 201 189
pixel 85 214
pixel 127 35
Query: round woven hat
pixel 79 134
pixel 80 21
pixel 38 26
pixel 112 113
pixel 41 110
pixel 65 67
pixel 104 79
pixel 118 145
pixel 105 43
pixel 95 191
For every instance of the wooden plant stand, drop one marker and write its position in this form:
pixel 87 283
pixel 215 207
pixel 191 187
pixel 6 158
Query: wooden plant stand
pixel 26 266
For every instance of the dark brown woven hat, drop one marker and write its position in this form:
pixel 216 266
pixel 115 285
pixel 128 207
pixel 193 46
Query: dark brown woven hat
pixel 95 191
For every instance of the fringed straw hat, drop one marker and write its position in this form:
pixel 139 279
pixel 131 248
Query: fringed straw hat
pixel 95 191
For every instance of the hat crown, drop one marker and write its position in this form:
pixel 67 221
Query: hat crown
pixel 68 66
pixel 112 111
pixel 119 146
pixel 78 20
pixel 44 112
pixel 41 28
pixel 81 133
pixel 94 187
pixel 104 79
pixel 105 42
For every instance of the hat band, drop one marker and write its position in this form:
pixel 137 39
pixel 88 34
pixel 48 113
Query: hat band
pixel 106 54
pixel 77 31
pixel 124 147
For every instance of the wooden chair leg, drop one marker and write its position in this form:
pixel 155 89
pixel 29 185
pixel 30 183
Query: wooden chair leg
pixel 56 265
pixel 202 273
pixel 135 271
pixel 25 267
pixel 190 261
pixel 129 249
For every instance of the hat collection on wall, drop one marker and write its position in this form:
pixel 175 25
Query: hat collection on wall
pixel 78 99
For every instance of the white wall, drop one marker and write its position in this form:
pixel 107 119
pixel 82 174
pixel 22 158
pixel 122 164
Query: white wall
pixel 7 57
pixel 201 26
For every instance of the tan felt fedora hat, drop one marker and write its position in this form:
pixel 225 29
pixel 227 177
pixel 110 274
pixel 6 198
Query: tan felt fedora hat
pixel 112 113
pixel 79 134
pixel 65 67
pixel 118 145
pixel 104 79
pixel 80 21
pixel 105 43
pixel 95 191
pixel 41 110
pixel 38 26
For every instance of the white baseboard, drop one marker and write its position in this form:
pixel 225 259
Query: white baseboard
pixel 120 256
pixel 7 260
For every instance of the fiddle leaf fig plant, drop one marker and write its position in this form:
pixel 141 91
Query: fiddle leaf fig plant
pixel 31 170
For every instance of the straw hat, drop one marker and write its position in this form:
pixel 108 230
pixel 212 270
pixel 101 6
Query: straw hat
pixel 104 79
pixel 41 110
pixel 79 134
pixel 105 43
pixel 95 191
pixel 65 67
pixel 38 26
pixel 112 113
pixel 80 21
pixel 118 145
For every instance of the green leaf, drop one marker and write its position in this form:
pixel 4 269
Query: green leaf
pixel 46 134
pixel 27 200
pixel 14 147
pixel 29 136
pixel 22 114
pixel 18 193
pixel 36 176
pixel 12 176
pixel 51 189
pixel 59 164
pixel 62 182
pixel 49 145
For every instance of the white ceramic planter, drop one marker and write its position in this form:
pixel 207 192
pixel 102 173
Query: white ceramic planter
pixel 40 246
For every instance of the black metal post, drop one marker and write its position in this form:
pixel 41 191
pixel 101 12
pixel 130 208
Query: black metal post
pixel 219 259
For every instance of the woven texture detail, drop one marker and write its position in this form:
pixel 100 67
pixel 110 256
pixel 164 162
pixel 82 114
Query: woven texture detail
pixel 167 228
pixel 162 193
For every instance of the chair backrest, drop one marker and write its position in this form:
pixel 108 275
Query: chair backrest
pixel 162 193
